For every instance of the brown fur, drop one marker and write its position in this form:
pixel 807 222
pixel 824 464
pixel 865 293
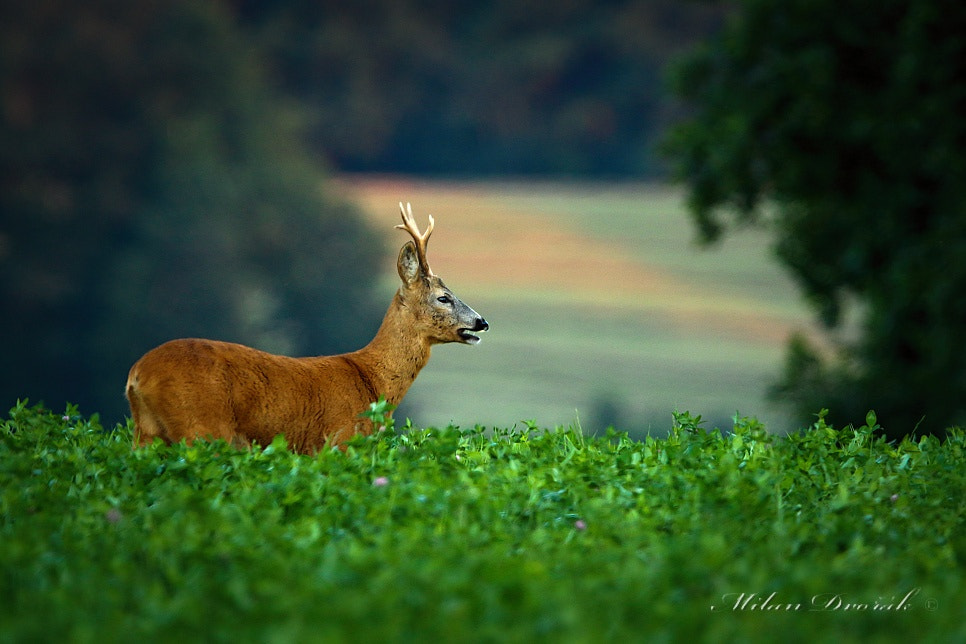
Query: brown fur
pixel 192 388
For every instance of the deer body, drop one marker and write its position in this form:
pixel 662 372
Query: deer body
pixel 192 388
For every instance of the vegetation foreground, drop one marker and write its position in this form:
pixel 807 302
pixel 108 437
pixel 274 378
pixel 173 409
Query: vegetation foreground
pixel 466 535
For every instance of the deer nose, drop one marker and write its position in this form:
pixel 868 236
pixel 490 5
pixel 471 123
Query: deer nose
pixel 481 325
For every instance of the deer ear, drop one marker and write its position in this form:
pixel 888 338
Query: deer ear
pixel 408 264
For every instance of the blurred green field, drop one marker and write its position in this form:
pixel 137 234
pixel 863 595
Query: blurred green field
pixel 602 307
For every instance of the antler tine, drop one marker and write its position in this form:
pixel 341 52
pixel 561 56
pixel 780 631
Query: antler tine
pixel 421 239
pixel 409 223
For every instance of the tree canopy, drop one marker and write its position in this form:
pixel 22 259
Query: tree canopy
pixel 493 87
pixel 840 125
pixel 152 185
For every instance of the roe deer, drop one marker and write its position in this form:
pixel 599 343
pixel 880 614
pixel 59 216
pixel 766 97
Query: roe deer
pixel 190 388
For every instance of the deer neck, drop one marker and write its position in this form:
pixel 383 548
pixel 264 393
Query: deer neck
pixel 397 353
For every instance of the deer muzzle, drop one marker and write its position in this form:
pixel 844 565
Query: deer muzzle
pixel 467 333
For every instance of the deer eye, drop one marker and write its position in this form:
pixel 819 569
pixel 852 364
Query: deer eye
pixel 444 299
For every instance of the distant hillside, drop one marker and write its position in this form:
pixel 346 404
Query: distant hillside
pixel 491 87
pixel 601 309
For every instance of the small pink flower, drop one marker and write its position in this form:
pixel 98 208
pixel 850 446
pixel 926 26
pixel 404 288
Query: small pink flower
pixel 580 524
pixel 380 481
pixel 894 498
pixel 113 515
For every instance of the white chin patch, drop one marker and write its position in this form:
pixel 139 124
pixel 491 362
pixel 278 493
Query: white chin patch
pixel 468 338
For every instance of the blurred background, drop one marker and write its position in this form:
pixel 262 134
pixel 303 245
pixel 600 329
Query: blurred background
pixel 750 207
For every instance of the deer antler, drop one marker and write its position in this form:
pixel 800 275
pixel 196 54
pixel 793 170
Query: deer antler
pixel 421 239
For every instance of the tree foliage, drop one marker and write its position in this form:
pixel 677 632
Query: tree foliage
pixel 490 87
pixel 152 186
pixel 841 126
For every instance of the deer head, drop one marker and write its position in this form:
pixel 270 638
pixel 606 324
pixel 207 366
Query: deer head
pixel 442 315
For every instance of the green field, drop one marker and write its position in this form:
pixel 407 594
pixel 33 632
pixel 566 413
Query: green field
pixel 468 536
pixel 596 295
